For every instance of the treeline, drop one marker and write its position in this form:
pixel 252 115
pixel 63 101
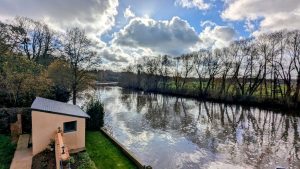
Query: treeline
pixel 38 61
pixel 260 70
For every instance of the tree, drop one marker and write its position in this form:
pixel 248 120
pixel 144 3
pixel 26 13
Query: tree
pixel 96 112
pixel 187 66
pixel 212 67
pixel 199 68
pixel 226 66
pixel 60 73
pixel 9 38
pixel 284 64
pixel 35 40
pixel 3 38
pixel 23 78
pixel 78 51
pixel 294 48
pixel 151 65
pixel 177 73
pixel 163 70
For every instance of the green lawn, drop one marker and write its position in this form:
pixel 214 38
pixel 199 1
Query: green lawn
pixel 104 153
pixel 7 150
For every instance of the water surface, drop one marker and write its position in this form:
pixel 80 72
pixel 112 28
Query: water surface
pixel 168 132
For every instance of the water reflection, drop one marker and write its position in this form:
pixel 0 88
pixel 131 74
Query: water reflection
pixel 169 132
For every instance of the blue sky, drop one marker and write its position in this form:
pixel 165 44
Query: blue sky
pixel 166 9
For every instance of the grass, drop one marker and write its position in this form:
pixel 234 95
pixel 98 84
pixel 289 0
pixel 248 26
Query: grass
pixel 104 153
pixel 7 149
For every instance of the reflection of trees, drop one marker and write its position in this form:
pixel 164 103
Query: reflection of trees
pixel 140 102
pixel 253 136
pixel 242 135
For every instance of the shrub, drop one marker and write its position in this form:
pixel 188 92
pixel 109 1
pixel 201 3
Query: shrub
pixel 60 93
pixel 82 160
pixel 96 112
pixel 85 161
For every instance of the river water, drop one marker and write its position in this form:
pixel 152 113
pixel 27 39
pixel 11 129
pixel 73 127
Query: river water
pixel 169 132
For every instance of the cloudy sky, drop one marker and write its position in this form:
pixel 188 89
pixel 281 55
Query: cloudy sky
pixel 128 29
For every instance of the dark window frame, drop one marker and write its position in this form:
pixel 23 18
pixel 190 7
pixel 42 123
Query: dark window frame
pixel 73 128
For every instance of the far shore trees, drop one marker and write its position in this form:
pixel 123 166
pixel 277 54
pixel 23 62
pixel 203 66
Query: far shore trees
pixel 78 51
pixel 262 69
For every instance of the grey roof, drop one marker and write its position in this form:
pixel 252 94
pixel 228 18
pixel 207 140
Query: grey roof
pixel 52 106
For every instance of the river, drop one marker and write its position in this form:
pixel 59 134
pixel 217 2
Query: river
pixel 170 132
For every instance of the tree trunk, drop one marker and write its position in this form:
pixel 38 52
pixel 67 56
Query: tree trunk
pixel 222 89
pixel 74 95
pixel 297 88
pixel 200 86
pixel 288 90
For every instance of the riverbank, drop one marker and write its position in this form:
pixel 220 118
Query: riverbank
pixel 250 101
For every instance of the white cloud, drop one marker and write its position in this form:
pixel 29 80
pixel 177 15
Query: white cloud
pixel 128 13
pixel 274 14
pixel 207 23
pixel 249 26
pixel 117 57
pixel 95 16
pixel 114 55
pixel 200 4
pixel 172 37
pixel 215 37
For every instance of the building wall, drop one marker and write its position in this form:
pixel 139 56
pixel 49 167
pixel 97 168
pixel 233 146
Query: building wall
pixel 44 128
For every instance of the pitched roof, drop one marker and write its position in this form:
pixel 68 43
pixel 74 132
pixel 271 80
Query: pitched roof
pixel 52 106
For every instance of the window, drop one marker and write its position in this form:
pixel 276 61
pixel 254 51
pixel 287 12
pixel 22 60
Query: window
pixel 70 126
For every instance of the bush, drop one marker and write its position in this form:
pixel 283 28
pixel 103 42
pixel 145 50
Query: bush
pixel 96 112
pixel 82 160
pixel 60 93
pixel 22 80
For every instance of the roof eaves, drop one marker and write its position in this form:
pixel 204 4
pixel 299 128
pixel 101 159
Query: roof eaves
pixel 58 113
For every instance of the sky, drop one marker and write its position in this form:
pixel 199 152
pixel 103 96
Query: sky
pixel 127 30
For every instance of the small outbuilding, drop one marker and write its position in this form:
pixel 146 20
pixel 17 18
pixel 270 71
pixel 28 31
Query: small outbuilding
pixel 48 116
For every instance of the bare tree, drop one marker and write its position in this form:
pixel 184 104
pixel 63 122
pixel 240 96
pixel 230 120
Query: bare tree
pixel 177 73
pixel 10 37
pixel 78 51
pixel 199 68
pixel 187 67
pixel 264 48
pixel 163 69
pixel 294 47
pixel 36 40
pixel 226 66
pixel 211 68
pixel 284 64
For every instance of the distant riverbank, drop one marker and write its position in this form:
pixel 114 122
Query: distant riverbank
pixel 251 101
